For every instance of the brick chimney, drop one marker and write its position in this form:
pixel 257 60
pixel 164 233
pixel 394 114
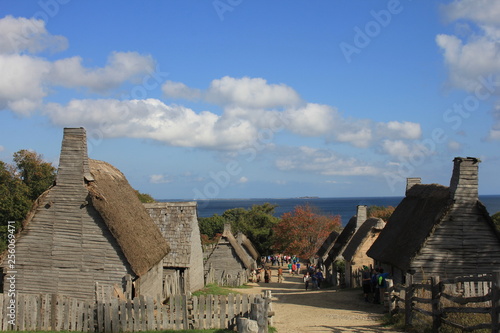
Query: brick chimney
pixel 74 162
pixel 361 215
pixel 464 180
pixel 412 181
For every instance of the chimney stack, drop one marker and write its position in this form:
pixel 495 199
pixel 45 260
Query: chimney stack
pixel 464 180
pixel 412 181
pixel 361 215
pixel 74 162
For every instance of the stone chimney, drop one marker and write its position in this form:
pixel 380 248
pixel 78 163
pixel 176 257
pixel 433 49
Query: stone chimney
pixel 412 181
pixel 361 215
pixel 74 162
pixel 464 180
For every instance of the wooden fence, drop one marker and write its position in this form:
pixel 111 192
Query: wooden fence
pixel 60 313
pixel 468 303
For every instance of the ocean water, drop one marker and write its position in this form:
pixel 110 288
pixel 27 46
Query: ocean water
pixel 345 207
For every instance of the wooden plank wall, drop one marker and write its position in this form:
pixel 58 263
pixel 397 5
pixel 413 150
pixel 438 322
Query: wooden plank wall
pixel 60 313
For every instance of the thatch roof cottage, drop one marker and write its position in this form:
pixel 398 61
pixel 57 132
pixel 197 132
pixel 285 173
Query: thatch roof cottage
pixel 342 241
pixel 228 263
pixel 355 252
pixel 183 265
pixel 440 230
pixel 89 227
pixel 322 254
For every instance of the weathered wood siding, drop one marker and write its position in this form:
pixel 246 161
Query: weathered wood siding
pixel 178 223
pixel 66 247
pixel 463 243
pixel 224 260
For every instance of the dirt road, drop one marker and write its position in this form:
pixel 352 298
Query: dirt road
pixel 328 310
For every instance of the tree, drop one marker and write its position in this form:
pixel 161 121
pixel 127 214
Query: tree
pixel 496 219
pixel 144 197
pixel 211 226
pixel 20 185
pixel 383 212
pixel 302 231
pixel 256 223
pixel 37 174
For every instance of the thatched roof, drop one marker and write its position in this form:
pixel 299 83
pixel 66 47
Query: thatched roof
pixel 368 227
pixel 410 224
pixel 125 216
pixel 327 245
pixel 248 245
pixel 341 241
pixel 240 252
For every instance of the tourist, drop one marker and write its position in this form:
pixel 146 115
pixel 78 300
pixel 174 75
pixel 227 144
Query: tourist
pixel 319 278
pixel 307 280
pixel 290 268
pixel 280 275
pixel 366 282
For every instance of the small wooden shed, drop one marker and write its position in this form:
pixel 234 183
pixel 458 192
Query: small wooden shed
pixel 440 230
pixel 89 227
pixel 355 252
pixel 228 263
pixel 183 265
pixel 341 243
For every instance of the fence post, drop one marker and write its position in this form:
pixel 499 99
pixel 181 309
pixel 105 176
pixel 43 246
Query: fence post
pixel 495 301
pixel 388 299
pixel 436 308
pixel 408 300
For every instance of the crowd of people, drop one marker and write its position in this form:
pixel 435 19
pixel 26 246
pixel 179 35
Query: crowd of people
pixel 374 282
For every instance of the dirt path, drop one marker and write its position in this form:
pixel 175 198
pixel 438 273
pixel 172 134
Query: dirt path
pixel 328 310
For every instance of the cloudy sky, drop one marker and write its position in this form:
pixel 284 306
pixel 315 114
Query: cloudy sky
pixel 262 99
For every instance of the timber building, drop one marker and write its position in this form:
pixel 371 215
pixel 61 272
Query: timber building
pixel 88 228
pixel 440 230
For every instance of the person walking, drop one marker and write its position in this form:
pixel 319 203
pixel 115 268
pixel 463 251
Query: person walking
pixel 280 275
pixel 366 282
pixel 307 280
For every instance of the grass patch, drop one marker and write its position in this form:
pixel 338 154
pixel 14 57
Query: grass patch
pixel 214 289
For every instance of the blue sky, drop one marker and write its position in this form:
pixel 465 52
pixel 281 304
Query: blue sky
pixel 261 99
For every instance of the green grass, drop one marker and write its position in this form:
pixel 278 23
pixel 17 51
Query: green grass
pixel 213 289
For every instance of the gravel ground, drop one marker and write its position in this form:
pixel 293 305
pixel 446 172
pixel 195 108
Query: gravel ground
pixel 329 310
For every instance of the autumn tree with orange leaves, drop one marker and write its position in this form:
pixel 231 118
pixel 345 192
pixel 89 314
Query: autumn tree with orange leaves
pixel 302 231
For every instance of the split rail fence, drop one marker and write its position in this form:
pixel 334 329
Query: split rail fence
pixel 60 313
pixel 467 303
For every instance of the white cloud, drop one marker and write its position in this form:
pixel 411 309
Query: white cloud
pixel 2 148
pixel 242 180
pixel 396 148
pixel 484 11
pixel 454 145
pixel 27 79
pixel 180 90
pixel 121 66
pixel 21 34
pixel 252 93
pixel 152 119
pixel 22 86
pixel 404 130
pixel 312 119
pixel 324 162
pixel 474 59
pixel 158 179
